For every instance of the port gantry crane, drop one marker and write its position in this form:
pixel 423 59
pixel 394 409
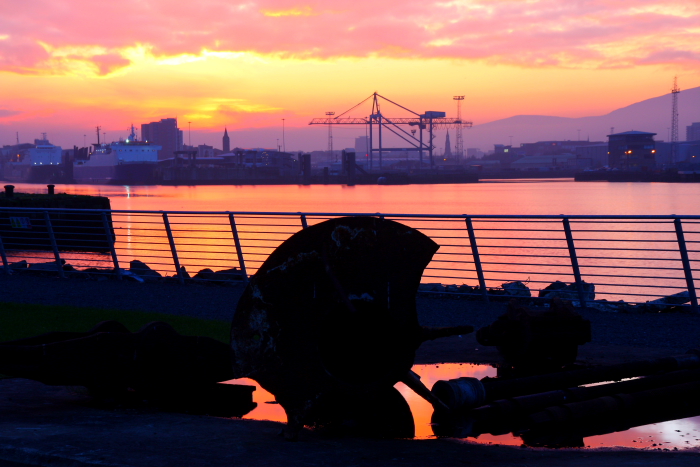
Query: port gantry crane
pixel 430 121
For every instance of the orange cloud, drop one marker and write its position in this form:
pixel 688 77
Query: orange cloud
pixel 532 33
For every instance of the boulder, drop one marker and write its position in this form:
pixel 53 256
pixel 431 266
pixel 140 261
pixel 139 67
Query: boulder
pixel 233 274
pixel 516 289
pixel 671 300
pixel 568 292
pixel 205 275
pixel 141 269
pixel 19 265
pixel 431 287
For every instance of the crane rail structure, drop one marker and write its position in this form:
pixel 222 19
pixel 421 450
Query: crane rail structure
pixel 429 121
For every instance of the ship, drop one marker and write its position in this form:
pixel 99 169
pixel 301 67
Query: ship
pixel 41 162
pixel 123 162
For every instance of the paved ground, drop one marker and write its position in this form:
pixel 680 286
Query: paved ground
pixel 43 425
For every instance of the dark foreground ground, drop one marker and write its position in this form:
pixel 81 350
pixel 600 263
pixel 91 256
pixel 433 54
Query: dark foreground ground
pixel 43 425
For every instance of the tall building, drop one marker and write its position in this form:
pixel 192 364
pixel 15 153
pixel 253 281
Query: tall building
pixel 226 142
pixel 164 133
pixel 448 145
pixel 362 147
pixel 692 132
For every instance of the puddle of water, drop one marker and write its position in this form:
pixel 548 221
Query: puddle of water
pixel 672 434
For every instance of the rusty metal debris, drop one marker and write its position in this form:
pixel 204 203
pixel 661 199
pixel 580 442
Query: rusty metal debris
pixel 556 410
pixel 536 341
pixel 333 310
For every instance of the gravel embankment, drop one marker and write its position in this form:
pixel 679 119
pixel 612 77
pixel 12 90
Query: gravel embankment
pixel 612 332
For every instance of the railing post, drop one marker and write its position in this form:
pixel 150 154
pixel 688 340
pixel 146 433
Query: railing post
pixel 574 262
pixel 239 250
pixel 477 259
pixel 686 265
pixel 5 264
pixel 54 245
pixel 110 242
pixel 304 224
pixel 173 250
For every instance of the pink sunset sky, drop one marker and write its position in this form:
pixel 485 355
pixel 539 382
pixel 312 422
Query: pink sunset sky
pixel 69 65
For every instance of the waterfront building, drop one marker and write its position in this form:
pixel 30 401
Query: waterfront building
pixel 362 147
pixel 204 150
pixel 165 134
pixel 226 142
pixel 546 163
pixel 692 132
pixel 551 148
pixel 592 155
pixel 632 150
pixel 474 153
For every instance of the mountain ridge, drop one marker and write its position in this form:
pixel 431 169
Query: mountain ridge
pixel 652 115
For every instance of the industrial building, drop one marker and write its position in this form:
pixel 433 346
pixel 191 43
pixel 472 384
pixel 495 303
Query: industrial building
pixel 632 150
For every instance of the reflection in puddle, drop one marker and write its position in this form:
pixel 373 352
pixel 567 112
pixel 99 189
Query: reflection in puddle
pixel 674 434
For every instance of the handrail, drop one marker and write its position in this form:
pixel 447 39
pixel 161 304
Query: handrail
pixel 481 251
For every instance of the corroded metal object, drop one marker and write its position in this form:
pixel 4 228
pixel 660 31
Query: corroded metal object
pixel 333 310
pixel 533 341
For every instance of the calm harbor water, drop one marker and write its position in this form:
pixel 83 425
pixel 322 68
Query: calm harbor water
pixel 551 196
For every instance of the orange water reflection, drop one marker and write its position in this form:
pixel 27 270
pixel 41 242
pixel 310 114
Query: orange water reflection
pixel 667 435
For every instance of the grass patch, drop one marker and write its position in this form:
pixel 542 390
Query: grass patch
pixel 20 320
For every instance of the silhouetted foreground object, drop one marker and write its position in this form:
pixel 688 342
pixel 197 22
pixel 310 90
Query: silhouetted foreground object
pixel 563 417
pixel 537 341
pixel 156 364
pixel 332 312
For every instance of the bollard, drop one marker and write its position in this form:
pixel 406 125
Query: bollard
pixel 51 189
pixel 9 191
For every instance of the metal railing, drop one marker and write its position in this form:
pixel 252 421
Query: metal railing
pixel 631 258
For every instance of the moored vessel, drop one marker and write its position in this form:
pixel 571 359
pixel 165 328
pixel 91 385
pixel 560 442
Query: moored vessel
pixel 131 162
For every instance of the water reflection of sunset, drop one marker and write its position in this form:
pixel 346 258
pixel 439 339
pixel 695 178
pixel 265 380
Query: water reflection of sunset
pixel 672 434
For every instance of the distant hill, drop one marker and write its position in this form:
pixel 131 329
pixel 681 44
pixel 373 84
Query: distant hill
pixel 653 115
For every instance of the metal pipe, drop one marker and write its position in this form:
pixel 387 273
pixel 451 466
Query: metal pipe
pixel 112 250
pixel 477 259
pixel 173 249
pixel 574 262
pixel 687 270
pixel 239 249
pixel 54 245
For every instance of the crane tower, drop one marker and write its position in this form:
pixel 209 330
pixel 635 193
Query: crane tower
pixel 459 141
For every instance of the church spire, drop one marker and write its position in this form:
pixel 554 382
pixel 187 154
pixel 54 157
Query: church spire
pixel 448 145
pixel 226 142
